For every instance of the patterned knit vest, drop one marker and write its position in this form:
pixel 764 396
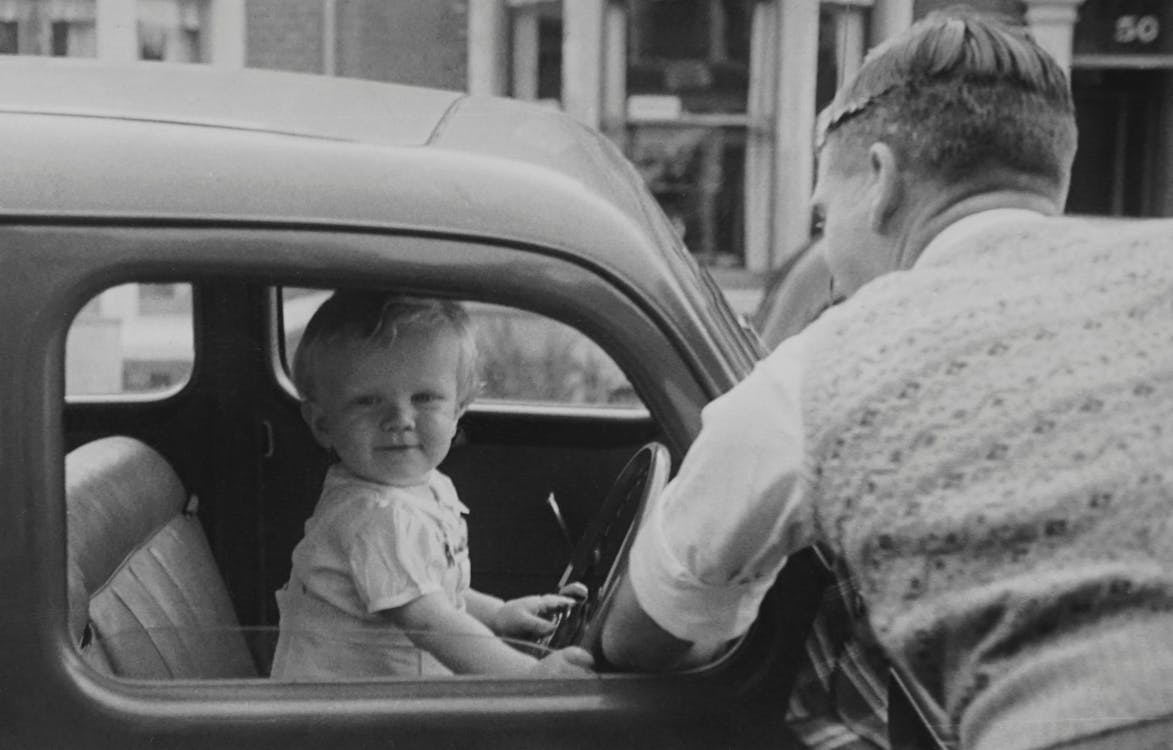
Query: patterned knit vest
pixel 991 441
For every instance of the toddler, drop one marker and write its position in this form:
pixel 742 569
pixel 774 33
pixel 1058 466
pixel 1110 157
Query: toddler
pixel 380 582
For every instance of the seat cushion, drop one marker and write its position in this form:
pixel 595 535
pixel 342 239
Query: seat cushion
pixel 146 596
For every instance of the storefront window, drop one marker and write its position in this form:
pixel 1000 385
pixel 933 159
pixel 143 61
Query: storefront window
pixel 687 86
pixel 63 28
pixel 169 30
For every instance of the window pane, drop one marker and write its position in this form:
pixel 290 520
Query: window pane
pixel 525 358
pixel 698 177
pixel 9 34
pixel 688 94
pixel 134 339
pixel 697 50
pixel 169 30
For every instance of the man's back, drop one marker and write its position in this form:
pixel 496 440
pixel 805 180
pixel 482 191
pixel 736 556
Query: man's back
pixel 997 441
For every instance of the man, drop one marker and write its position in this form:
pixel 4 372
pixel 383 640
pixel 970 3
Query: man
pixel 980 433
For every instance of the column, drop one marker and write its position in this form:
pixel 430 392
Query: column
pixel 488 53
pixel 614 95
pixel 329 37
pixel 583 22
pixel 116 28
pixel 223 31
pixel 794 125
pixel 526 36
pixel 850 42
pixel 890 17
pixel 759 147
pixel 1053 24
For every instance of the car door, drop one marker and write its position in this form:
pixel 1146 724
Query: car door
pixel 235 437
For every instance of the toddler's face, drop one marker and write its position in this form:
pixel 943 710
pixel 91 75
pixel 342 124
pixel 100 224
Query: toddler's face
pixel 389 412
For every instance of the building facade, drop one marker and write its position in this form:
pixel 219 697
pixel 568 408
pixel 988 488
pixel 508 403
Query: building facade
pixel 713 100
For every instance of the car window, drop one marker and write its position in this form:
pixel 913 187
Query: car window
pixel 525 358
pixel 131 340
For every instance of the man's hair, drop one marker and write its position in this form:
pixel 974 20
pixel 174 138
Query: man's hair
pixel 376 319
pixel 960 91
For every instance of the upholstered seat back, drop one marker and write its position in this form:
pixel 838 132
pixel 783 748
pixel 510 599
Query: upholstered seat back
pixel 146 597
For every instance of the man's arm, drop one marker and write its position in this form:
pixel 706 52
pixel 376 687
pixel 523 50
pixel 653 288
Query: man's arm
pixel 711 544
pixel 632 639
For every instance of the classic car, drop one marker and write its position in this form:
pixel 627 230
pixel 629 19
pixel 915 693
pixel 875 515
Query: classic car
pixel 165 231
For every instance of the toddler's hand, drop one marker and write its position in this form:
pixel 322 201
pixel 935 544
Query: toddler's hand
pixel 575 590
pixel 571 661
pixel 529 616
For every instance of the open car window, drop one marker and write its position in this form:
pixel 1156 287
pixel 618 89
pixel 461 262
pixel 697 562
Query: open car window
pixel 525 358
pixel 248 651
pixel 133 340
pixel 151 533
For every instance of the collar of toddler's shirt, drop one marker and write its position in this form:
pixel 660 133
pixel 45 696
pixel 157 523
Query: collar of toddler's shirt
pixel 441 487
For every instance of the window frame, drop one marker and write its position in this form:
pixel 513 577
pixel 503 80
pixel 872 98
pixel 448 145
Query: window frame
pixel 415 713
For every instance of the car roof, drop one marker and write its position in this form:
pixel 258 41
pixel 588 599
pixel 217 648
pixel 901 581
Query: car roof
pixel 88 140
pixel 188 121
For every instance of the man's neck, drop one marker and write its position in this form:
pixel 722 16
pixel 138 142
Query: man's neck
pixel 939 207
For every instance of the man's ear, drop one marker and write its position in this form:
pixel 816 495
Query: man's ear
pixel 315 417
pixel 887 183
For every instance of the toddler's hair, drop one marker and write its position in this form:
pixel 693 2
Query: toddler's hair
pixel 376 318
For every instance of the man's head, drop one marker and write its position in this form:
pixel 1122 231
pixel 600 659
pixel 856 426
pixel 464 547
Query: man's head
pixel 959 105
pixel 384 380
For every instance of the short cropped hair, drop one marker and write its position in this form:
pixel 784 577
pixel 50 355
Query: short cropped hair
pixel 376 318
pixel 956 92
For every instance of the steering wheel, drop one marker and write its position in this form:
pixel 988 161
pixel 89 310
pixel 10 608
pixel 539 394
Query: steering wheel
pixel 600 559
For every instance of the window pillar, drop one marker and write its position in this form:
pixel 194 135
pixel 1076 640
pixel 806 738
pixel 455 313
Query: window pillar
pixel 224 24
pixel 793 127
pixel 526 41
pixel 1052 22
pixel 614 94
pixel 583 23
pixel 488 51
pixel 759 148
pixel 116 28
pixel 890 17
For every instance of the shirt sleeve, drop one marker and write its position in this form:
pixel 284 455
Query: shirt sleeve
pixel 711 546
pixel 396 557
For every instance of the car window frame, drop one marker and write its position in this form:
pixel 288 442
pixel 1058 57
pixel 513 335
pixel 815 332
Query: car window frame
pixel 278 363
pixel 117 254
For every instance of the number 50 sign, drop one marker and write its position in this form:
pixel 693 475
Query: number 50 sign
pixel 1131 28
pixel 1128 27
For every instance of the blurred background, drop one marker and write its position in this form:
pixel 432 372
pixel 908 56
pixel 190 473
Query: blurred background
pixel 713 100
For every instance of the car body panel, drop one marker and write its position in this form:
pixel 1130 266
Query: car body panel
pixel 491 168
pixel 100 192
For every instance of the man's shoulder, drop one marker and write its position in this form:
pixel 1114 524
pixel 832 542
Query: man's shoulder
pixel 1103 230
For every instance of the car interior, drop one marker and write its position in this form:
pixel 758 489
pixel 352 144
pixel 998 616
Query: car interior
pixel 188 474
pixel 181 521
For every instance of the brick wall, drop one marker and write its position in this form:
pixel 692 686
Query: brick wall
pixel 284 35
pixel 423 42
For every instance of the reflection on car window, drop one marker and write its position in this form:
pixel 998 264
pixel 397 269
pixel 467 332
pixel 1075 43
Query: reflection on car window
pixel 134 339
pixel 137 653
pixel 525 358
